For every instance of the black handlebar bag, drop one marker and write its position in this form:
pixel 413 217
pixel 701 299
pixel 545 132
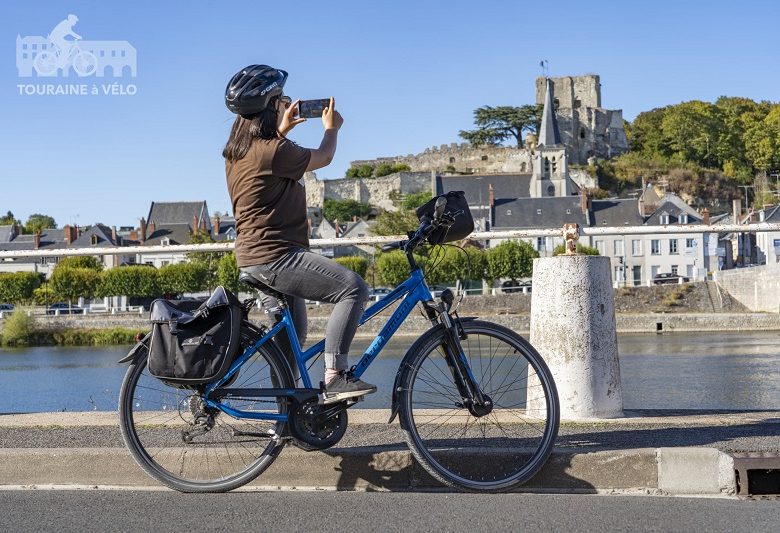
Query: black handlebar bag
pixel 457 208
pixel 194 341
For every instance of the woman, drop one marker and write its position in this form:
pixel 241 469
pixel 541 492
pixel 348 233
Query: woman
pixel 265 180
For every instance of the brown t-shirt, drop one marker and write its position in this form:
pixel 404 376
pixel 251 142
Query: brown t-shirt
pixel 269 200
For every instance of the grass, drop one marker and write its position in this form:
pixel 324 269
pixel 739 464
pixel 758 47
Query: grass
pixel 69 337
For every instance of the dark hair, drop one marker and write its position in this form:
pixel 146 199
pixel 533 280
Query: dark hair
pixel 247 128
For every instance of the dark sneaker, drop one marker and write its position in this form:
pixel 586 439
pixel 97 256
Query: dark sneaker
pixel 346 386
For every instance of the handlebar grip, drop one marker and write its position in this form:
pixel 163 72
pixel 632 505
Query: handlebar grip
pixel 441 203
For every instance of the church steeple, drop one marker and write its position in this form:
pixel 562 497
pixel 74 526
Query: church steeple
pixel 549 135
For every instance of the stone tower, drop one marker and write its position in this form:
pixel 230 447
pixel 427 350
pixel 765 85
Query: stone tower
pixel 550 175
pixel 587 129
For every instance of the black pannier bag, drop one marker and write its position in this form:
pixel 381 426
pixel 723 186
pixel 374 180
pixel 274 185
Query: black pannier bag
pixel 194 341
pixel 457 208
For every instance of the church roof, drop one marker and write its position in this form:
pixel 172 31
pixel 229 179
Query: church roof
pixel 549 135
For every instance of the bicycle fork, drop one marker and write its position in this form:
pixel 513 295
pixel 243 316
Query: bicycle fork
pixel 477 402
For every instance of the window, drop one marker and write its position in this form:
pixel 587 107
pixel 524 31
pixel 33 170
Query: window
pixel 582 133
pixel 601 248
pixel 541 243
pixel 618 248
pixel 538 211
pixel 683 218
pixel 551 190
pixel 556 103
pixel 636 247
pixel 673 246
pixel 568 211
pixel 655 247
pixel 674 269
pixel 664 219
pixel 452 159
pixel 618 273
pixel 93 240
pixel 577 104
pixel 484 158
pixel 165 241
pixel 509 212
pixel 690 243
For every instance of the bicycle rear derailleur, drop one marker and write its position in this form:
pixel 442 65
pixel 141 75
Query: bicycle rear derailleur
pixel 202 421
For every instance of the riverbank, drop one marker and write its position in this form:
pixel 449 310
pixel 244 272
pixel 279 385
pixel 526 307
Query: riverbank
pixel 690 307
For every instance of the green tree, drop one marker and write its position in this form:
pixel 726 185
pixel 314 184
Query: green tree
pixel 38 222
pixel 414 200
pixel 693 130
pixel 73 283
pixel 9 219
pixel 344 210
pixel 362 171
pixel 80 261
pixel 392 268
pixel 355 263
pixel 497 124
pixel 209 260
pixel 510 259
pixel 395 222
pixel 134 280
pixel 450 264
pixel 227 273
pixel 646 135
pixel 18 287
pixel 183 277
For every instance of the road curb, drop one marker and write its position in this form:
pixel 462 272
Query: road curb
pixel 656 470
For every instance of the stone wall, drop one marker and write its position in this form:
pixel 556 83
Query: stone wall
pixel 373 191
pixel 758 288
pixel 462 157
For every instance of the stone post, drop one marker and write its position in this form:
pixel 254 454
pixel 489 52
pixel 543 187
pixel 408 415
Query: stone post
pixel 573 328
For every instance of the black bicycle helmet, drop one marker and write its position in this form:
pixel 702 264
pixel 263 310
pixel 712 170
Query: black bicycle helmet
pixel 250 90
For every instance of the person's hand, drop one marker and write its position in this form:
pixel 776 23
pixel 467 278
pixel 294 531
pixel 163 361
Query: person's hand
pixel 290 119
pixel 331 119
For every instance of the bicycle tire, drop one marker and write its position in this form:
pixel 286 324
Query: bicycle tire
pixel 491 453
pixel 155 417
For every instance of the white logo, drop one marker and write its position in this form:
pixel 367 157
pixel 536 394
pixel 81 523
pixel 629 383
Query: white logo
pixel 63 51
pixel 274 84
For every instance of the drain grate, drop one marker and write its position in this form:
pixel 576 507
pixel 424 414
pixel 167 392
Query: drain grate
pixel 757 473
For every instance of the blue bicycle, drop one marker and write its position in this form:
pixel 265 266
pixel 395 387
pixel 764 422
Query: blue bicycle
pixel 476 402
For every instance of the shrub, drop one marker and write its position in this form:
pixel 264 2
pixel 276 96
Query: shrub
pixel 74 283
pixel 140 281
pixel 355 264
pixel 581 249
pixel 227 273
pixel 183 277
pixel 18 327
pixel 18 287
pixel 82 261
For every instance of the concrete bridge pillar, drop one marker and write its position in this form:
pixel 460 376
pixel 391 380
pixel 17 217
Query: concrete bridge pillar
pixel 573 328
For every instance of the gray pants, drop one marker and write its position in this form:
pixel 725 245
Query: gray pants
pixel 304 275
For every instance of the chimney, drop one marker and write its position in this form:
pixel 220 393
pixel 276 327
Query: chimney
pixel 79 231
pixel 195 228
pixel 338 228
pixel 152 229
pixel 705 216
pixel 584 201
pixel 113 234
pixel 736 210
pixel 37 239
pixel 66 233
pixel 215 225
pixel 143 231
pixel 133 235
pixel 491 196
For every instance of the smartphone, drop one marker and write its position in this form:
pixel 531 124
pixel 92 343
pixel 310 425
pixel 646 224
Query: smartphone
pixel 312 108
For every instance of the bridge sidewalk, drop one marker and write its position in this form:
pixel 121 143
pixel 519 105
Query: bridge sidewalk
pixel 663 452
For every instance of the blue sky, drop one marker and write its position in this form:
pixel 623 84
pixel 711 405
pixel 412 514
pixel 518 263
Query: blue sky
pixel 406 75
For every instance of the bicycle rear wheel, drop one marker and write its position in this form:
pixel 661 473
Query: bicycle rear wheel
pixel 192 448
pixel 497 450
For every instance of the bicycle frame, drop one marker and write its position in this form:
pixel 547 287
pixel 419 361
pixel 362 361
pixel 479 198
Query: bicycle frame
pixel 413 291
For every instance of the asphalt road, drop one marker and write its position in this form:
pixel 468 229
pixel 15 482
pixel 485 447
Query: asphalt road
pixel 93 510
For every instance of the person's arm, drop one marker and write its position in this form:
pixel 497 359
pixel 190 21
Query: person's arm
pixel 331 121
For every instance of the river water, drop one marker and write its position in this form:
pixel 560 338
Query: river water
pixel 668 371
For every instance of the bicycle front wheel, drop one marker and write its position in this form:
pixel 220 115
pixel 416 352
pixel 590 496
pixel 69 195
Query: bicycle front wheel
pixel 189 447
pixel 490 450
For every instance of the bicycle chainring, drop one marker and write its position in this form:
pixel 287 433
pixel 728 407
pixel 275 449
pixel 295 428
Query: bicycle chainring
pixel 312 429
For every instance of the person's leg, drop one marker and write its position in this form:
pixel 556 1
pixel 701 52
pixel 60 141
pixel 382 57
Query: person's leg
pixel 305 274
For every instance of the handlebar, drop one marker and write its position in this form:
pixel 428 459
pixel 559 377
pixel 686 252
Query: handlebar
pixel 427 226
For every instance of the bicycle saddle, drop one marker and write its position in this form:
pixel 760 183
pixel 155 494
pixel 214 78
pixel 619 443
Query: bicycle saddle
pixel 252 281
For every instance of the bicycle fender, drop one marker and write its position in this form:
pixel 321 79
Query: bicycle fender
pixel 143 343
pixel 405 363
